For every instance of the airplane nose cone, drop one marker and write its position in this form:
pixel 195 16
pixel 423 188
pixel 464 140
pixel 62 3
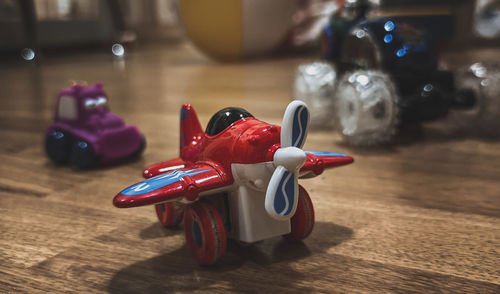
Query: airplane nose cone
pixel 336 161
pixel 147 174
pixel 122 201
pixel 346 160
pixel 292 158
pixel 263 134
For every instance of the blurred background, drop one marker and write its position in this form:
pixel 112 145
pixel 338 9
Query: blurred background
pixel 420 212
pixel 257 27
pixel 129 44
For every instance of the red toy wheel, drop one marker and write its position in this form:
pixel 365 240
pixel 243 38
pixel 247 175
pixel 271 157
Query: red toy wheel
pixel 169 214
pixel 205 232
pixel 302 222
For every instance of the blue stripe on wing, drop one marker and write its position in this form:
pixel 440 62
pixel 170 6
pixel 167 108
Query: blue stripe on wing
pixel 322 153
pixel 161 181
pixel 284 198
pixel 300 119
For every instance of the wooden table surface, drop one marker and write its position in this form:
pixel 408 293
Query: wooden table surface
pixel 421 215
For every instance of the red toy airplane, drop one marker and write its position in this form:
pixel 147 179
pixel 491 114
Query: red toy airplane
pixel 237 179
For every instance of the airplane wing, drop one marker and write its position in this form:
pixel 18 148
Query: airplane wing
pixel 186 182
pixel 318 161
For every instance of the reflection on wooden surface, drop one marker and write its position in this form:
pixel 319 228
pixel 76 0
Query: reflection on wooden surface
pixel 421 215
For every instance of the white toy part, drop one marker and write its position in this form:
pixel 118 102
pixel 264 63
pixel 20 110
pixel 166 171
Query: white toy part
pixel 249 219
pixel 366 107
pixel 282 191
pixel 315 84
pixel 487 19
pixel 291 158
pixel 294 125
pixel 282 203
pixel 483 80
pixel 67 108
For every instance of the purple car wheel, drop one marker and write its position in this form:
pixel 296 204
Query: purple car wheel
pixel 141 148
pixel 57 147
pixel 83 155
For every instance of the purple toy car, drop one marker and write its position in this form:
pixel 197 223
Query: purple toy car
pixel 86 133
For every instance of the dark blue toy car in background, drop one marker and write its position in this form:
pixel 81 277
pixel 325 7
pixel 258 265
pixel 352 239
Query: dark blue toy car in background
pixel 387 73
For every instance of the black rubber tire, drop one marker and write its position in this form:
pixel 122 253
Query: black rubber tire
pixel 58 146
pixel 83 155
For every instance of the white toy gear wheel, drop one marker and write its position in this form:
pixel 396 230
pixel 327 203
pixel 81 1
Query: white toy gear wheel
pixel 484 82
pixel 366 108
pixel 315 85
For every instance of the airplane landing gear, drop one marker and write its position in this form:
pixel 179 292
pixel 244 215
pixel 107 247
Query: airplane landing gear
pixel 169 214
pixel 205 232
pixel 302 222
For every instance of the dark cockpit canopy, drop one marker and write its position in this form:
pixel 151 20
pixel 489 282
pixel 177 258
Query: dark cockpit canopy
pixel 224 118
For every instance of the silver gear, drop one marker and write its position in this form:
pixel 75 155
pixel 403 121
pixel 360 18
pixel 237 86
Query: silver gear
pixel 484 81
pixel 487 19
pixel 315 84
pixel 366 108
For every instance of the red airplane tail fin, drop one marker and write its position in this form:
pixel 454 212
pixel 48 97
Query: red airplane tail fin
pixel 191 133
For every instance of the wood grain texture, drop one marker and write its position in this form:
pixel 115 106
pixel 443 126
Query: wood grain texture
pixel 419 216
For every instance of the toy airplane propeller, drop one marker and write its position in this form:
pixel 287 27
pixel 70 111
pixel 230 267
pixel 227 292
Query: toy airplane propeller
pixel 238 179
pixel 282 191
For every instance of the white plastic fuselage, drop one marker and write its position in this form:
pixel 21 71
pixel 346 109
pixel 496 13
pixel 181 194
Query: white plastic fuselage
pixel 249 219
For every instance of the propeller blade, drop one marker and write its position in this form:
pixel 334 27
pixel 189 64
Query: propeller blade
pixel 283 189
pixel 295 124
pixel 282 194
